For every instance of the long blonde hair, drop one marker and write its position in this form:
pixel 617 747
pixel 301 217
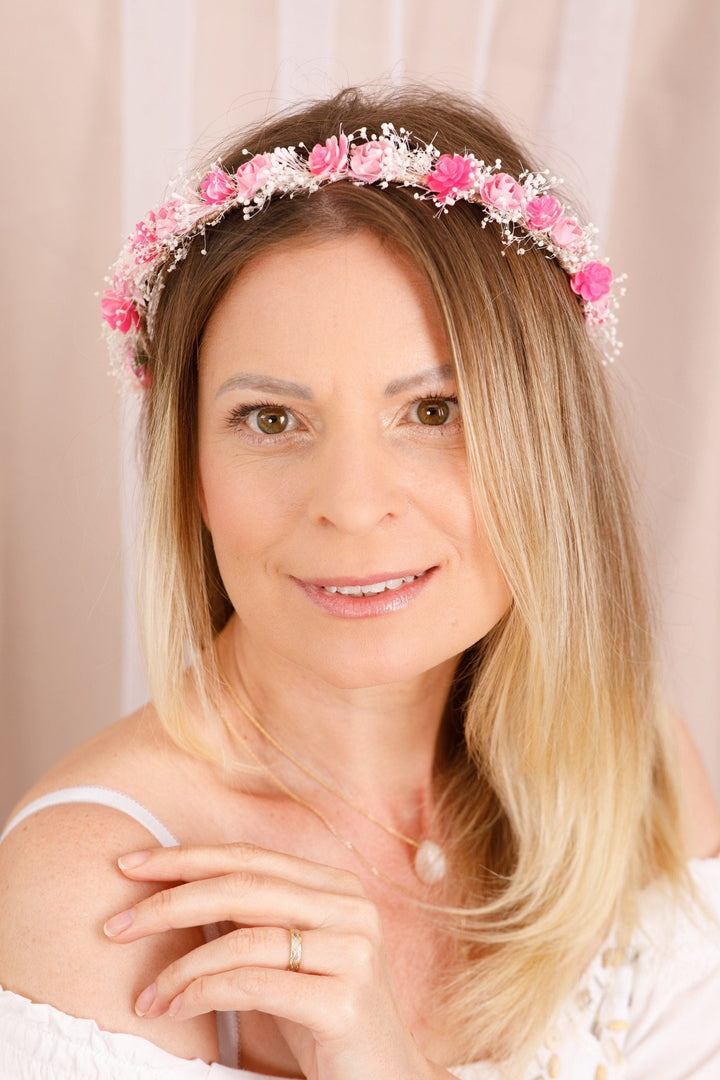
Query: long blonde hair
pixel 556 788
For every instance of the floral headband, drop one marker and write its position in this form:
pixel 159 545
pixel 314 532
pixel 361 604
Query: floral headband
pixel 524 208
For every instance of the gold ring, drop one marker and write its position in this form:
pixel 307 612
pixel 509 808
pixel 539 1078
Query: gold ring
pixel 295 950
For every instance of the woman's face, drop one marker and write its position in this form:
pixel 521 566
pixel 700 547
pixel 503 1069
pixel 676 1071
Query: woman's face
pixel 332 467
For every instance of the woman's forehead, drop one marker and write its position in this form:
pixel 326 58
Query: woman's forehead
pixel 347 298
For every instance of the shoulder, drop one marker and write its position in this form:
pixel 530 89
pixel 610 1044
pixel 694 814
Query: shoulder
pixel 673 1030
pixel 136 757
pixel 59 883
pixel 702 816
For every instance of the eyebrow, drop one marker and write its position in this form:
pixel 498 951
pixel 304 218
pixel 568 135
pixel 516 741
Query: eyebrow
pixel 247 380
pixel 420 378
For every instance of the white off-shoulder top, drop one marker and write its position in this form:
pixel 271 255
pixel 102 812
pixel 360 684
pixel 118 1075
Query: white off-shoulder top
pixel 650 1011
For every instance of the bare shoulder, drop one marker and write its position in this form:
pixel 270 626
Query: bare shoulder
pixel 59 883
pixel 702 815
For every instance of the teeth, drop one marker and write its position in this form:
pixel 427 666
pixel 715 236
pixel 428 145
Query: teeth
pixel 370 590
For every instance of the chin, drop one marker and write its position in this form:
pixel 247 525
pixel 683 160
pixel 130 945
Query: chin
pixel 361 668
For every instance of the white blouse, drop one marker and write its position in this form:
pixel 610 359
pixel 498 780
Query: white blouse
pixel 647 1012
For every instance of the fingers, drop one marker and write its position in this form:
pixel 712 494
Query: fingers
pixel 322 999
pixel 196 863
pixel 245 898
pixel 342 976
pixel 249 947
pixel 304 999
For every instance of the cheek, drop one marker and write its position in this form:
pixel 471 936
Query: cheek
pixel 246 509
pixel 480 569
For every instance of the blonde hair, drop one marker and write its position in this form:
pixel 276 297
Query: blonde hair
pixel 557 793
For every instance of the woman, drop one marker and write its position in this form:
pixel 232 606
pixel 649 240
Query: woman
pixel 406 724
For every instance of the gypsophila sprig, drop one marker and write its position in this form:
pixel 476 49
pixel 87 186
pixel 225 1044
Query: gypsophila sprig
pixel 527 210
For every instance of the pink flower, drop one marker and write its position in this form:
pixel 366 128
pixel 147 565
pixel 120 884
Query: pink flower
pixel 502 192
pixel 542 212
pixel 144 376
pixel 329 158
pixel 598 313
pixel 168 219
pixel 252 175
pixel 367 160
pixel 217 186
pixel 139 371
pixel 452 175
pixel 592 282
pixel 143 242
pixel 119 311
pixel 566 232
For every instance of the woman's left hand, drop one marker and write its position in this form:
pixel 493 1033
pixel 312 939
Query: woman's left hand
pixel 338 1012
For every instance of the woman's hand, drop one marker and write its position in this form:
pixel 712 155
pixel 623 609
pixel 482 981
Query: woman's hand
pixel 338 1011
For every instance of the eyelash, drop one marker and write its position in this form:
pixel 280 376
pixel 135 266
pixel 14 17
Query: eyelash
pixel 238 416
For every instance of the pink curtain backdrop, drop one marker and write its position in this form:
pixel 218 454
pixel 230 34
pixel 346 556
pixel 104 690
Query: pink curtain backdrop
pixel 103 100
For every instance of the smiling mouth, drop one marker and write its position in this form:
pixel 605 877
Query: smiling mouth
pixel 369 597
pixel 375 589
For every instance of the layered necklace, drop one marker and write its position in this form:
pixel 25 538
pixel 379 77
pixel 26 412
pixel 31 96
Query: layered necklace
pixel 430 863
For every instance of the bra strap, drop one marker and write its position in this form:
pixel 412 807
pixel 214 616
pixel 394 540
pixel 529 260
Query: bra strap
pixel 226 1022
pixel 102 796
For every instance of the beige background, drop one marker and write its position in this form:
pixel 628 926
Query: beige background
pixel 102 98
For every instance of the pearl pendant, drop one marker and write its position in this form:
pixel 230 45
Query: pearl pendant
pixel 430 863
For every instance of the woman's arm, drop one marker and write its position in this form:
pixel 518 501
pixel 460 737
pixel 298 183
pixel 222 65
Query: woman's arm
pixel 701 811
pixel 58 880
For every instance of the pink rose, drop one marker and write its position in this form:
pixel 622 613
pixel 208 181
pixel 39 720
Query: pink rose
pixel 566 232
pixel 119 311
pixel 329 158
pixel 252 175
pixel 452 174
pixel 168 219
pixel 217 186
pixel 542 212
pixel 592 282
pixel 502 192
pixel 367 160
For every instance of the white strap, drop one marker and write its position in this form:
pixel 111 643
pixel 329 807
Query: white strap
pixel 226 1021
pixel 102 796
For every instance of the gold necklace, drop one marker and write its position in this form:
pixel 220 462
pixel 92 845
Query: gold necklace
pixel 430 863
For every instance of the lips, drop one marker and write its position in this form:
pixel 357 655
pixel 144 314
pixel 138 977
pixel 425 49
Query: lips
pixel 373 589
pixel 380 594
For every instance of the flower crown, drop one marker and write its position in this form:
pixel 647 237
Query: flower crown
pixel 524 208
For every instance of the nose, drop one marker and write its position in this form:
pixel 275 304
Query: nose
pixel 358 483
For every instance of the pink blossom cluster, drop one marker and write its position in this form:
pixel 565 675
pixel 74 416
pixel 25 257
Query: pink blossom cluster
pixel 118 311
pixel 455 175
pixel 522 206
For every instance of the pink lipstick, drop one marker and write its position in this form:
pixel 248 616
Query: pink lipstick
pixel 357 598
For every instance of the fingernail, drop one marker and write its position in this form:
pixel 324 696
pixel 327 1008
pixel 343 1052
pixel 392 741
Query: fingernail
pixel 120 922
pixel 175 1005
pixel 135 858
pixel 145 1000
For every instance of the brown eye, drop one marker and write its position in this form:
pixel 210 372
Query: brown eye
pixel 271 420
pixel 433 411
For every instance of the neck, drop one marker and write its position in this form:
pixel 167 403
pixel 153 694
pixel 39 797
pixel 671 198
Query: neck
pixel 376 744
